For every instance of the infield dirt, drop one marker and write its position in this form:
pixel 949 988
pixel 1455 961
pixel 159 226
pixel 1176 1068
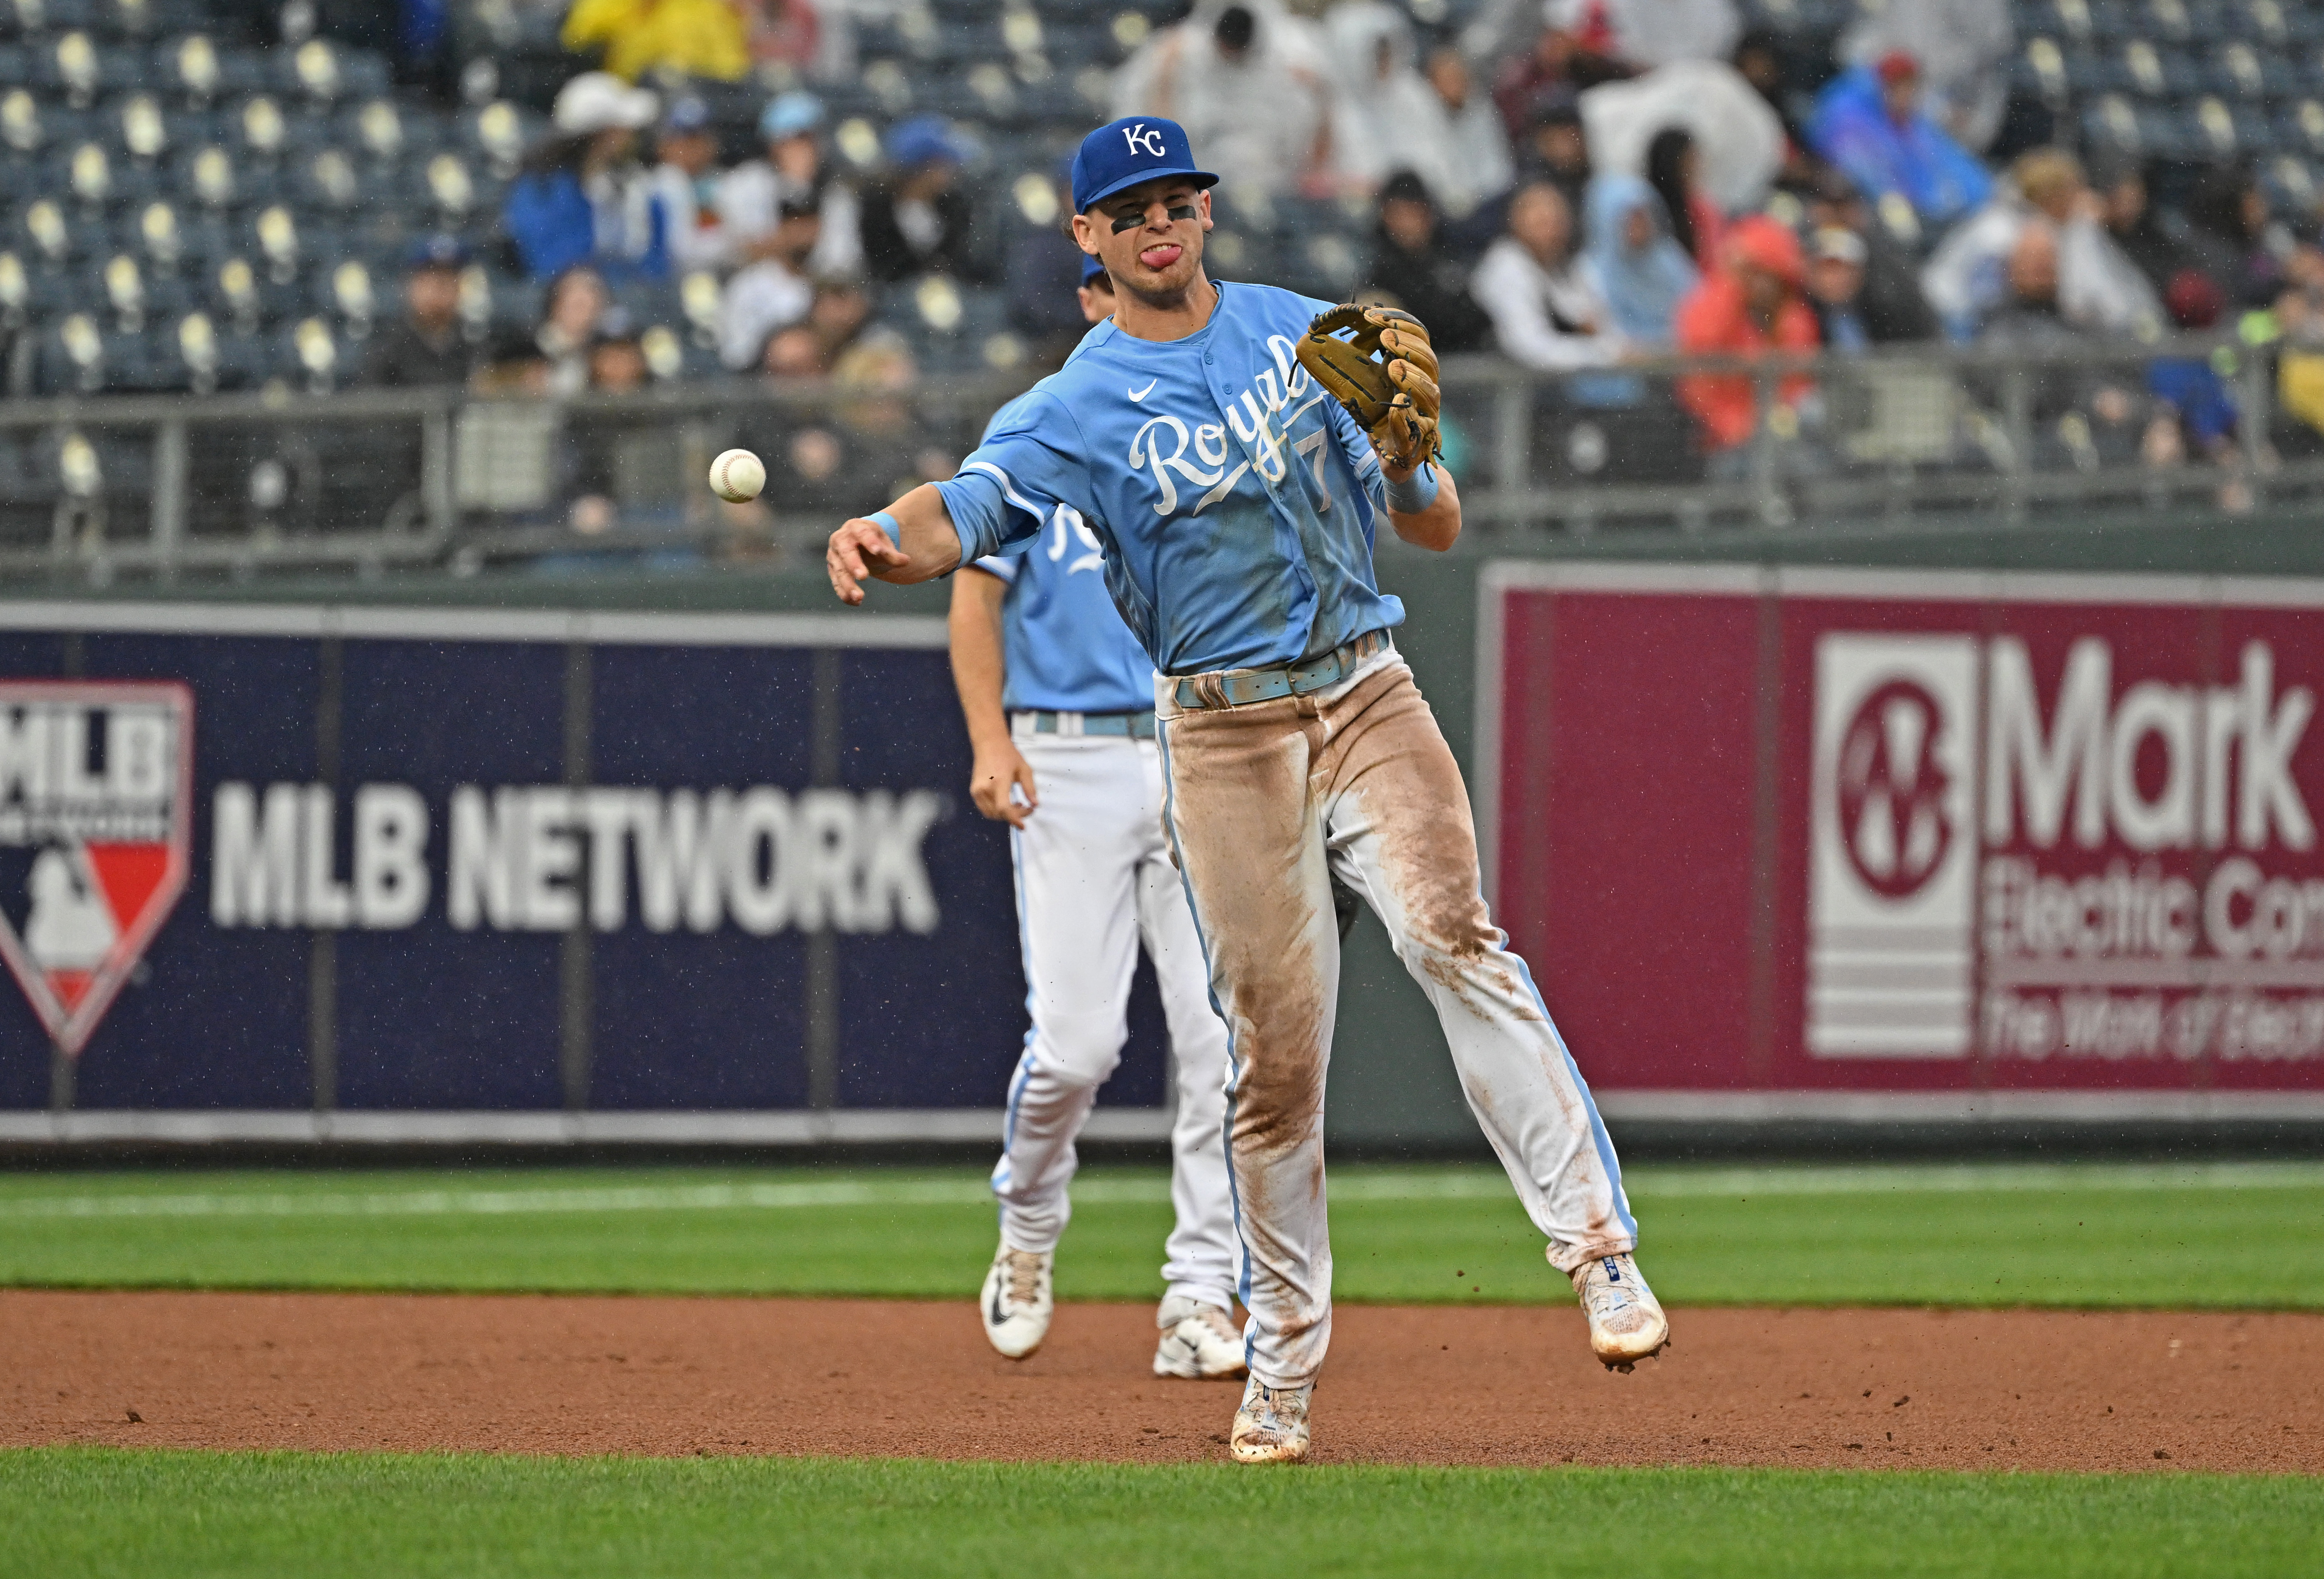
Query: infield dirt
pixel 1504 1385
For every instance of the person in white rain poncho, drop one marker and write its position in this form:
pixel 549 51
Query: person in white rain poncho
pixel 1252 84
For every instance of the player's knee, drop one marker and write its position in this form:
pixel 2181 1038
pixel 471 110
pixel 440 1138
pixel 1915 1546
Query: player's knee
pixel 1074 1055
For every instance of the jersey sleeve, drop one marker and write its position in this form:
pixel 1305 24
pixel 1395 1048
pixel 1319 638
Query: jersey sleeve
pixel 1361 456
pixel 1003 566
pixel 1006 491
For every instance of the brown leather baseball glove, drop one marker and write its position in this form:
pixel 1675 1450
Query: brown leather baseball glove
pixel 1383 372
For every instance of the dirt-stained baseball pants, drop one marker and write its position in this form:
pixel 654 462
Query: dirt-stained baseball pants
pixel 1094 877
pixel 1267 801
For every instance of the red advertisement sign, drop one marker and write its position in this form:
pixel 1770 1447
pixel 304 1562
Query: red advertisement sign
pixel 1899 831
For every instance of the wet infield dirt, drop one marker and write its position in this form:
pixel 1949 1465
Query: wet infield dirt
pixel 1494 1385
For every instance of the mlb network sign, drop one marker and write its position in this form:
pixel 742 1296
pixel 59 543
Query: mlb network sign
pixel 1913 830
pixel 267 857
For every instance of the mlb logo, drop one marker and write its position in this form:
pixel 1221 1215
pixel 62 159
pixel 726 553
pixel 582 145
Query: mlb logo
pixel 96 830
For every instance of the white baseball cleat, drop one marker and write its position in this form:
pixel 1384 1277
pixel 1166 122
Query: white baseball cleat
pixel 1199 1341
pixel 1626 1323
pixel 1017 1302
pixel 1271 1426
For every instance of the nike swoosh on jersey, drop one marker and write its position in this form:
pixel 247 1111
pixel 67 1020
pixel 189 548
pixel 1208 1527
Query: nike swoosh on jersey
pixel 1140 394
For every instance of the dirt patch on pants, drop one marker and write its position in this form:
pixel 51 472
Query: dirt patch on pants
pixel 1961 1389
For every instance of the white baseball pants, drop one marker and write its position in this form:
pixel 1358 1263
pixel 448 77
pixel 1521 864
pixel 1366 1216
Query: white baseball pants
pixel 1267 801
pixel 1094 878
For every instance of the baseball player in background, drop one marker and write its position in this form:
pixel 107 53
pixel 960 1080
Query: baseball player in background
pixel 1197 434
pixel 1059 700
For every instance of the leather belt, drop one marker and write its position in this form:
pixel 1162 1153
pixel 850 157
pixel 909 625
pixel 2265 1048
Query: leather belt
pixel 1121 726
pixel 1239 688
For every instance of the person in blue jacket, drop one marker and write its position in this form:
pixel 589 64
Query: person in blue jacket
pixel 1870 125
pixel 581 197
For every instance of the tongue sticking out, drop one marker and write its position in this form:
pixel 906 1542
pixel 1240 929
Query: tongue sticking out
pixel 1158 258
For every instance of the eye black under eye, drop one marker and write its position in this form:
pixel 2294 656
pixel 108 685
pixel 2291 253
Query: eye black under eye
pixel 1181 211
pixel 1127 222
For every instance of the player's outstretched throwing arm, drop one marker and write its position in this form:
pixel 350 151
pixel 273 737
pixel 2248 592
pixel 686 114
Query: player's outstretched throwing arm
pixel 913 540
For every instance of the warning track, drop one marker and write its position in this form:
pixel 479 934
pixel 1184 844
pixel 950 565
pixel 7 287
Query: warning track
pixel 1888 1389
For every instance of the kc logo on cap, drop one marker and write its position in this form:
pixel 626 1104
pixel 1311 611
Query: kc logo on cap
pixel 1129 150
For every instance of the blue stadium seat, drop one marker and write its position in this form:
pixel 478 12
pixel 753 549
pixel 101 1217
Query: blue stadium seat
pixel 80 69
pixel 2156 71
pixel 2301 126
pixel 141 21
pixel 166 236
pixel 2076 21
pixel 30 288
pixel 198 71
pixel 46 18
pixel 500 132
pixel 240 292
pixel 2243 70
pixel 53 233
pixel 128 295
pixel 90 178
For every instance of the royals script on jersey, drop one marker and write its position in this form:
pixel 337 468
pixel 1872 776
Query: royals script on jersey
pixel 1235 502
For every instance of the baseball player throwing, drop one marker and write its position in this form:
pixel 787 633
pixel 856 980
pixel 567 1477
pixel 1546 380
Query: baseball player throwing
pixel 1059 700
pixel 1236 499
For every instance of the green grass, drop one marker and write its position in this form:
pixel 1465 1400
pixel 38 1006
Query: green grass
pixel 2073 1236
pixel 73 1512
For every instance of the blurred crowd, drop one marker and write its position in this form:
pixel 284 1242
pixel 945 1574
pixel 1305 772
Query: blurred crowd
pixel 1579 186
pixel 797 189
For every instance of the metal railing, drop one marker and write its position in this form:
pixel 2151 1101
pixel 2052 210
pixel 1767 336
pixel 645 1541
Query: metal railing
pixel 366 481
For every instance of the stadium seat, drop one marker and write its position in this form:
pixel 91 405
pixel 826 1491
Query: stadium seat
pixel 130 296
pixel 500 133
pixel 51 235
pixel 170 240
pixel 208 177
pixel 41 18
pixel 243 295
pixel 2083 22
pixel 140 21
pixel 79 69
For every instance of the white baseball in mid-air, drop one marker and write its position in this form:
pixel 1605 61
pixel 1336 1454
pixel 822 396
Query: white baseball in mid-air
pixel 737 475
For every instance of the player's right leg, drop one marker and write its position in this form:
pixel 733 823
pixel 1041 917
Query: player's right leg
pixel 1077 924
pixel 1250 841
pixel 1199 1339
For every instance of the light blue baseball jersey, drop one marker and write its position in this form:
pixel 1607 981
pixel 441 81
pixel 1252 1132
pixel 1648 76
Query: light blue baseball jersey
pixel 1066 647
pixel 1236 501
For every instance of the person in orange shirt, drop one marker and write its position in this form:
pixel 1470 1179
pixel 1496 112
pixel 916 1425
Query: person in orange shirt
pixel 1751 303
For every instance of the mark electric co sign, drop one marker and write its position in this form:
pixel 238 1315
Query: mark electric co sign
pixel 1861 829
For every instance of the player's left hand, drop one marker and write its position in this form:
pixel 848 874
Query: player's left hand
pixel 1000 783
pixel 857 547
pixel 1395 397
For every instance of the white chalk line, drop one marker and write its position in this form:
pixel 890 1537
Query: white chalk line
pixel 1353 1186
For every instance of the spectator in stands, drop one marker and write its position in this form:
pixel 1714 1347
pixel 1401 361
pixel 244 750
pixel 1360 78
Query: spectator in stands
pixel 1674 170
pixel 1759 61
pixel 2099 288
pixel 1963 48
pixel 2229 238
pixel 1869 125
pixel 1638 268
pixel 917 220
pixel 1250 83
pixel 1411 268
pixel 785 35
pixel 2085 411
pixel 1890 303
pixel 693 38
pixel 581 197
pixel 577 312
pixel 425 348
pixel 1547 313
pixel 1463 154
pixel 791 206
pixel 1751 304
pixel 1642 35
pixel 1526 81
pixel 2196 408
pixel 2133 225
pixel 1557 148
pixel 1393 117
pixel 1836 260
pixel 837 319
pixel 688 183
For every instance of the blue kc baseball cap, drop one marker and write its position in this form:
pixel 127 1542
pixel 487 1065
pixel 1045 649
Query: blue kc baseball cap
pixel 1134 149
